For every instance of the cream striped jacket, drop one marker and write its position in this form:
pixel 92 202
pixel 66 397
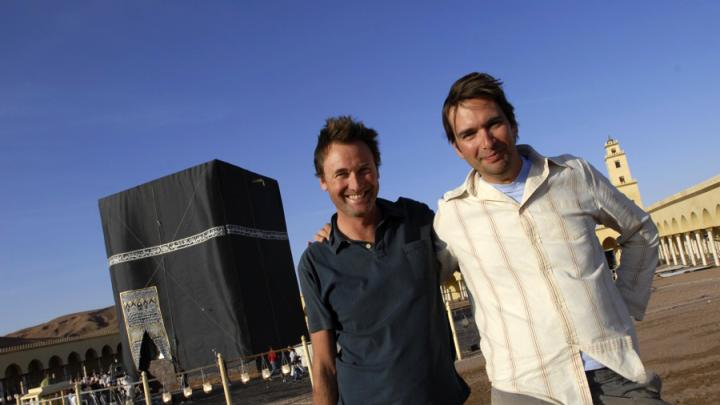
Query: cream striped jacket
pixel 540 284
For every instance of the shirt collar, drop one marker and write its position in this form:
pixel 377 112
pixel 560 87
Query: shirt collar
pixel 537 159
pixel 470 185
pixel 388 210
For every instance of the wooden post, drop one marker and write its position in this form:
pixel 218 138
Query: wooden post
pixel 307 323
pixel 307 357
pixel 223 378
pixel 146 388
pixel 62 397
pixel 452 329
pixel 78 401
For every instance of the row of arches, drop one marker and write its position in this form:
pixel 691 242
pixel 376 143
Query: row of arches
pixel 699 246
pixel 688 230
pixel 699 218
pixel 58 368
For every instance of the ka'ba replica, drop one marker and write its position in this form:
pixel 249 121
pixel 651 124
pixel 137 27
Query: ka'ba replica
pixel 200 263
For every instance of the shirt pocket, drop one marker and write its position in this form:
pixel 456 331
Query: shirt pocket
pixel 419 255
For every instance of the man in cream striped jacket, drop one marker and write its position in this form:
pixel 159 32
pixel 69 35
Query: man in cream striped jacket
pixel 555 328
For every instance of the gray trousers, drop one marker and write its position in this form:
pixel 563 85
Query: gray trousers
pixel 607 388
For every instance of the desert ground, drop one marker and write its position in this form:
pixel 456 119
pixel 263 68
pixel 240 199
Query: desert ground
pixel 679 340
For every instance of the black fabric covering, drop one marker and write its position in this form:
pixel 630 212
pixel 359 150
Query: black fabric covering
pixel 234 294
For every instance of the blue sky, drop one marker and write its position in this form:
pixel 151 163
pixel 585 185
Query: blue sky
pixel 99 96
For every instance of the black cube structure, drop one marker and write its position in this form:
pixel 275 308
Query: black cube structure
pixel 200 263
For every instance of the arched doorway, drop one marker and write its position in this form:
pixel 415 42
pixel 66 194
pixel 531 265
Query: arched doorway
pixel 74 365
pixel 107 358
pixel 92 362
pixel 55 367
pixel 35 373
pixel 11 381
pixel 610 247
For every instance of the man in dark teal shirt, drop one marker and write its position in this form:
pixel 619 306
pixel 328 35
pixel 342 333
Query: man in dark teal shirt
pixel 373 288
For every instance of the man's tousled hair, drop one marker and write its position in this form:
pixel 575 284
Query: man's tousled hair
pixel 344 129
pixel 475 85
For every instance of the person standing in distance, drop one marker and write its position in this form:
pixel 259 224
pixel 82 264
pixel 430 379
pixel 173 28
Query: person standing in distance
pixel 373 288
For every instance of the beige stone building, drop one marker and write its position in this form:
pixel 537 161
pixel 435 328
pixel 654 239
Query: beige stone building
pixel 688 224
pixel 687 221
pixel 26 364
pixel 618 171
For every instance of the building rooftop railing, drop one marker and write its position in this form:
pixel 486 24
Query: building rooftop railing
pixel 54 341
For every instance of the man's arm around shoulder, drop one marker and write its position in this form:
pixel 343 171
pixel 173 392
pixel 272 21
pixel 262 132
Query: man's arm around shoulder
pixel 443 252
pixel 426 217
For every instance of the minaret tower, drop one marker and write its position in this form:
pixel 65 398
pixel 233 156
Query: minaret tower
pixel 619 171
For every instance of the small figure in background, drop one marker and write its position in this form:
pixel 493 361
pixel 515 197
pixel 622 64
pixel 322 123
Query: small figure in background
pixel 272 359
pixel 296 368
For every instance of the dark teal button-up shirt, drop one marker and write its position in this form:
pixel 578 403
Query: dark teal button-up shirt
pixel 383 302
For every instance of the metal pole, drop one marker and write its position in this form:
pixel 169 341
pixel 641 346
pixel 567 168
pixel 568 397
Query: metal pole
pixel 223 378
pixel 146 388
pixel 307 358
pixel 452 329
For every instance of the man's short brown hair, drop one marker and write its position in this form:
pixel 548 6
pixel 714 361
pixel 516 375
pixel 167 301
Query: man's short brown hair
pixel 476 85
pixel 344 129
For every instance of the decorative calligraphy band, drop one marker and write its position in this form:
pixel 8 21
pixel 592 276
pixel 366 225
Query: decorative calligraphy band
pixel 193 240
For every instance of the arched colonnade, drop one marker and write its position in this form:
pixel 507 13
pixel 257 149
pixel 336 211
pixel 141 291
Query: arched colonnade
pixel 689 225
pixel 25 366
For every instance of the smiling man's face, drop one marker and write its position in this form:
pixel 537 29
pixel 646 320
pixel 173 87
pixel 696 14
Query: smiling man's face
pixel 485 139
pixel 350 177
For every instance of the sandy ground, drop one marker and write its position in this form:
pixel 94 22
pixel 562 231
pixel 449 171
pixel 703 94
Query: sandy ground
pixel 680 337
pixel 679 340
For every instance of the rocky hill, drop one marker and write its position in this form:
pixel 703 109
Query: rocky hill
pixel 72 325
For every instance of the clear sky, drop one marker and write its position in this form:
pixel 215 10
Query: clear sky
pixel 100 96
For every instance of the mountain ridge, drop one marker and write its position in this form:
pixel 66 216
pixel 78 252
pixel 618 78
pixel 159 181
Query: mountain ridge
pixel 77 324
